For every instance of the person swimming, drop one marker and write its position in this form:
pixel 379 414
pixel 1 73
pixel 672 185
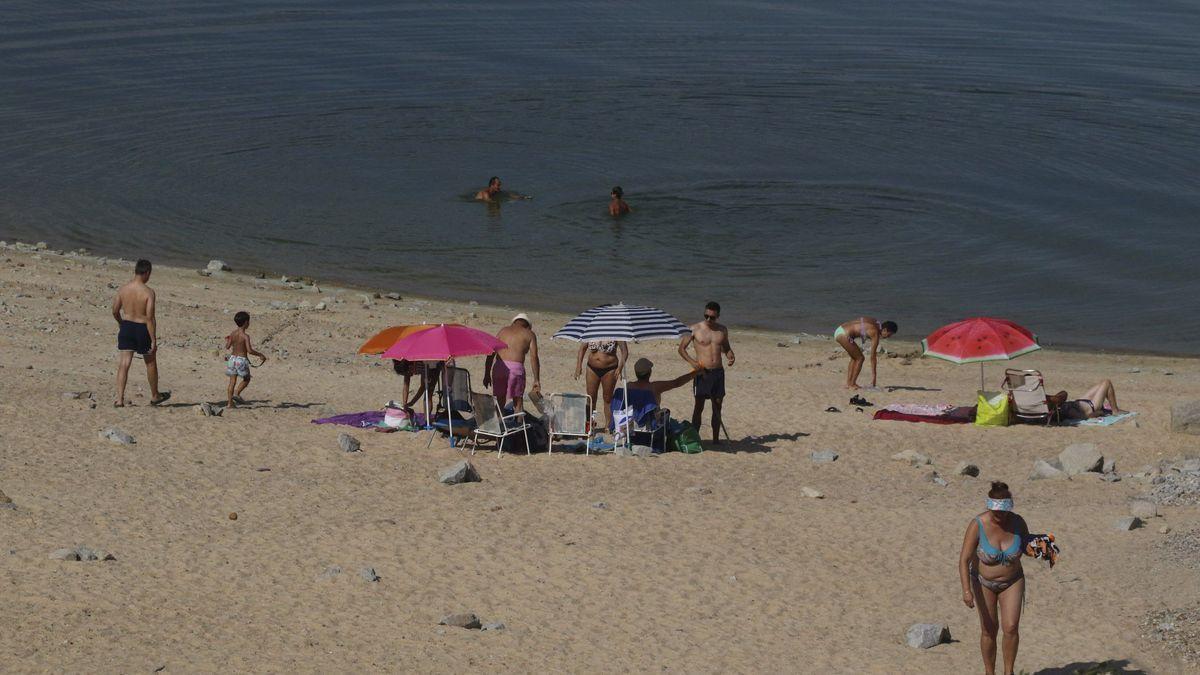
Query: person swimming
pixel 617 206
pixel 494 193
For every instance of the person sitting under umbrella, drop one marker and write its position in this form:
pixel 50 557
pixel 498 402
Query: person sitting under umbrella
pixel 864 329
pixel 1091 405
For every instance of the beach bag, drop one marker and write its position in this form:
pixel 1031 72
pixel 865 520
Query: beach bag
pixel 396 417
pixel 993 409
pixel 686 439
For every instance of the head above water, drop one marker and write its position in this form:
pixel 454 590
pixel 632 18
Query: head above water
pixel 642 368
pixel 888 328
pixel 142 269
pixel 617 192
pixel 242 319
pixel 999 500
pixel 494 184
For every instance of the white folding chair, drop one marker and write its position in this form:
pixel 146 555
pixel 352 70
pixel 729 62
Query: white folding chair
pixel 1028 392
pixel 566 416
pixel 491 422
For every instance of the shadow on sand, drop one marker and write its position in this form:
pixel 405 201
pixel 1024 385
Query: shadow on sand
pixel 752 443
pixel 1122 666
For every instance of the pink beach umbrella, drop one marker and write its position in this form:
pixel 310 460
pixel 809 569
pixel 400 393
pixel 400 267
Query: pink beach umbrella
pixel 442 343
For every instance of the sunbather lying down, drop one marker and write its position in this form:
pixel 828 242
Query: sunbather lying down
pixel 1090 405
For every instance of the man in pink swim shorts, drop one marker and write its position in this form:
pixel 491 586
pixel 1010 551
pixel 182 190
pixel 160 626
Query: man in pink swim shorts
pixel 506 374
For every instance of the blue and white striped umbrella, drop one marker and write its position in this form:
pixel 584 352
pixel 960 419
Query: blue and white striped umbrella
pixel 623 322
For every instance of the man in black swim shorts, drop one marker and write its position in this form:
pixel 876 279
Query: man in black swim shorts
pixel 712 341
pixel 133 310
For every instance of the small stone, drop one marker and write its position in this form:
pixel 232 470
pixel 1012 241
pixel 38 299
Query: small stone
pixel 1143 508
pixel 966 469
pixel 348 443
pixel 393 296
pixel 699 490
pixel 320 306
pixel 1128 523
pixel 461 620
pixel 1110 478
pixel 493 625
pixel 823 456
pixel 233 515
pixel 64 554
pixel 209 410
pixel 1189 465
pixel 115 435
pixel 462 472
pixel 642 451
pixel 368 574
pixel 86 553
pixel 1165 529
pixel 1043 470
pixel 330 572
pixel 1080 458
pixel 912 457
pixel 600 505
pixel 926 635
pixel 812 493
pixel 217 266
pixel 936 479
pixel 70 395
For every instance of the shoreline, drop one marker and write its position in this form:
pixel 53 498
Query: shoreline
pixel 288 281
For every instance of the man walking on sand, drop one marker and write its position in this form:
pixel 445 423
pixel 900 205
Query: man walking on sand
pixel 711 340
pixel 133 310
pixel 506 375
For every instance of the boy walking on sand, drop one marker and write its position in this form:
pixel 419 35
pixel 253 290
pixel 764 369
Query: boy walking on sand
pixel 238 363
pixel 137 332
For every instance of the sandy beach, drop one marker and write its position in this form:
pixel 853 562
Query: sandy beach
pixel 695 563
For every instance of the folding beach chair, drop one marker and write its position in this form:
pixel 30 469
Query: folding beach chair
pixel 642 417
pixel 567 417
pixel 455 398
pixel 1027 390
pixel 491 422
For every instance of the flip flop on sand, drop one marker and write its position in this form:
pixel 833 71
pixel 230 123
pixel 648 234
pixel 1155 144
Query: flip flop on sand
pixel 858 400
pixel 832 409
pixel 162 396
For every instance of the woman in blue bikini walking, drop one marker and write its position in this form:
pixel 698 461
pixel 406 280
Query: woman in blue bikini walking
pixel 993 581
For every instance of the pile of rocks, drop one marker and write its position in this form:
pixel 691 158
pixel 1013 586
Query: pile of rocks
pixel 1182 548
pixel 1175 630
pixel 1174 483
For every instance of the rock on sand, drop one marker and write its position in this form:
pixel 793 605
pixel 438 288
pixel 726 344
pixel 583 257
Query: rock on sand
pixel 1080 458
pixel 115 435
pixel 461 620
pixel 462 472
pixel 1045 470
pixel 1185 417
pixel 926 635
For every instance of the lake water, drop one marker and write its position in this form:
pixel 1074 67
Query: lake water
pixel 801 163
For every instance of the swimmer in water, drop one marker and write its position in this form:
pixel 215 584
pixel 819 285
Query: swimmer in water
pixel 617 206
pixel 492 193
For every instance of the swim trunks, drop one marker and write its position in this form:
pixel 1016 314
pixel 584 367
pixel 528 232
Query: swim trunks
pixel 239 366
pixel 508 379
pixel 133 337
pixel 710 384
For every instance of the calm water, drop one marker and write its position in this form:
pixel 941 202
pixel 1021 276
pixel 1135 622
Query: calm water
pixel 802 163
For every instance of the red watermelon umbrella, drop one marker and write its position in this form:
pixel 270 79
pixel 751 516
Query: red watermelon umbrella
pixel 979 340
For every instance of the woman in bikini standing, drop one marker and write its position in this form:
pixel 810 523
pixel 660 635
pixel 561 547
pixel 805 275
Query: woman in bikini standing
pixel 993 581
pixel 604 363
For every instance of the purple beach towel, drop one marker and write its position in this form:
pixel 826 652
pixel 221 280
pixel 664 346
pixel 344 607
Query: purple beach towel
pixel 362 420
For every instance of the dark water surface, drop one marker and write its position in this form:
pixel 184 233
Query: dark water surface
pixel 803 163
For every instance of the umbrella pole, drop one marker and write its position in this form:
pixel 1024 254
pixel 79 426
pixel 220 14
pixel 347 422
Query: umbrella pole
pixel 981 376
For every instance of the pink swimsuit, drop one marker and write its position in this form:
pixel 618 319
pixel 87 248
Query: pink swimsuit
pixel 508 379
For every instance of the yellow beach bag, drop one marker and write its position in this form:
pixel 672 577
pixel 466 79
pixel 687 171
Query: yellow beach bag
pixel 992 410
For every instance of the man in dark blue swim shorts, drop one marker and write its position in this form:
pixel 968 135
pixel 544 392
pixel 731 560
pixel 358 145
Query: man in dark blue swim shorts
pixel 133 310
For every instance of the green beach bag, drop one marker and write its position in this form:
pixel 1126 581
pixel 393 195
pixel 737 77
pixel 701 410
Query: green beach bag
pixel 686 439
pixel 992 410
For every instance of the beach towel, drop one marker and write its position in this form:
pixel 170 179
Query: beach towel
pixel 947 418
pixel 361 420
pixel 1106 421
pixel 923 409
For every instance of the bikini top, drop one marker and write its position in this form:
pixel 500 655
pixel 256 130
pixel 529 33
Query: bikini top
pixel 990 555
pixel 606 347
